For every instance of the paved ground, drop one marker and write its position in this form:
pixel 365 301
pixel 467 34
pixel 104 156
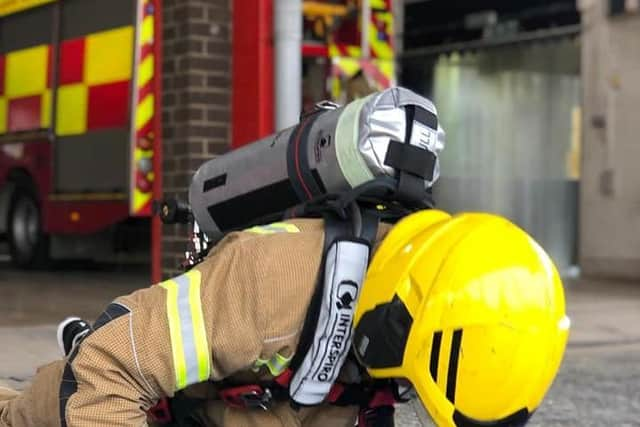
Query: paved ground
pixel 599 383
pixel 32 303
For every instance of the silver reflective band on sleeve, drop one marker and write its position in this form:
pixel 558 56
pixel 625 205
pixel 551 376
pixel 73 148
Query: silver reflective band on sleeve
pixel 345 268
pixel 189 346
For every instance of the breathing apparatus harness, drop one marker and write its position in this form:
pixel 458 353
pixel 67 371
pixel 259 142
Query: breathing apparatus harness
pixel 351 222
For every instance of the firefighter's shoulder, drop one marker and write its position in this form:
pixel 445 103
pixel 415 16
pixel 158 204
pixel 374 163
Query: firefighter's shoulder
pixel 294 237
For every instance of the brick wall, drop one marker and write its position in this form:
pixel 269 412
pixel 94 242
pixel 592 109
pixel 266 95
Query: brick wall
pixel 196 100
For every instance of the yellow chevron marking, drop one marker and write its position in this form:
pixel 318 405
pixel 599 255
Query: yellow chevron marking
pixel 145 71
pixel 145 111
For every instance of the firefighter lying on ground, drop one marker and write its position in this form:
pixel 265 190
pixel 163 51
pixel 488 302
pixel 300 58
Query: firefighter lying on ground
pixel 468 310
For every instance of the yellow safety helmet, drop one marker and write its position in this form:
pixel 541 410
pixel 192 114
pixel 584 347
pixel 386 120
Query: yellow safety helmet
pixel 470 310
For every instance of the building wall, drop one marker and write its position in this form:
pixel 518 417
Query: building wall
pixel 196 101
pixel 509 115
pixel 610 189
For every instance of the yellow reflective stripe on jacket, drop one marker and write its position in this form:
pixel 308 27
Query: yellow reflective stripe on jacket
pixel 276 227
pixel 186 327
pixel 276 365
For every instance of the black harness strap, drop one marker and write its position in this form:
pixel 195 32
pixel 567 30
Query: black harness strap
pixel 370 224
pixel 410 188
pixel 334 228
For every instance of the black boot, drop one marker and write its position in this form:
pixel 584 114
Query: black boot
pixel 70 332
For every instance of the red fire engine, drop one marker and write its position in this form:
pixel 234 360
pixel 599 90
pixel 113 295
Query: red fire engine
pixel 79 134
pixel 78 125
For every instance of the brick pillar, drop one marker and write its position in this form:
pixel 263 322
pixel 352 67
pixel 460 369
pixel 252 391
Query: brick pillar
pixel 196 101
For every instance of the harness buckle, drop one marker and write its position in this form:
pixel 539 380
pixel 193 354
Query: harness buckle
pixel 248 396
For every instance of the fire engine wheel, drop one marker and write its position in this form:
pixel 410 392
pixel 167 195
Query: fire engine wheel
pixel 27 242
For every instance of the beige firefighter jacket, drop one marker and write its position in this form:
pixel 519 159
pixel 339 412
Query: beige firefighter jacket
pixel 237 314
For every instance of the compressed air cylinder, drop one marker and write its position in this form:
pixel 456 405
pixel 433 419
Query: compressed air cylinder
pixel 329 151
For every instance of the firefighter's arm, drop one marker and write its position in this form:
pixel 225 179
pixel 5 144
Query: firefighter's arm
pixel 198 326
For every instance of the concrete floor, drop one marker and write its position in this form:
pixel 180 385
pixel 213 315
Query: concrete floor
pixel 599 383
